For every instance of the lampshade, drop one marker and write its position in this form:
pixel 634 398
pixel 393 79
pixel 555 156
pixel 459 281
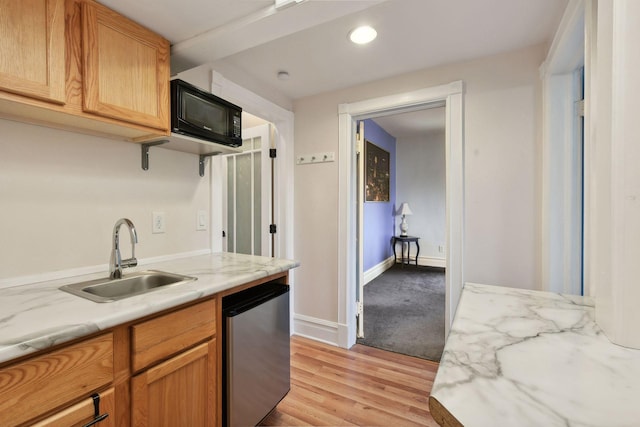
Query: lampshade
pixel 405 210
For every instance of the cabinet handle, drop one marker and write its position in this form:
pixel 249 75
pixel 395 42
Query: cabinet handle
pixel 96 411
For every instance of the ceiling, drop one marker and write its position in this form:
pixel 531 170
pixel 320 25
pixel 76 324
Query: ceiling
pixel 250 41
pixel 419 123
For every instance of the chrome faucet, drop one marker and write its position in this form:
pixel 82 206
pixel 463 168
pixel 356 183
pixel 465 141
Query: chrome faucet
pixel 117 263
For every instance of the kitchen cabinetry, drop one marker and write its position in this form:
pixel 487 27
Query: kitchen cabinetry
pixel 164 369
pixel 79 66
pixel 38 385
pixel 32 41
pixel 83 413
pixel 182 389
pixel 155 369
pixel 125 69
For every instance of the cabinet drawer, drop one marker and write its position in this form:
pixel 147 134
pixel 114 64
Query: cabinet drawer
pixel 164 336
pixel 83 413
pixel 33 387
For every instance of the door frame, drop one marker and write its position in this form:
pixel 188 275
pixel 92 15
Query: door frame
pixel 561 198
pixel 452 95
pixel 282 121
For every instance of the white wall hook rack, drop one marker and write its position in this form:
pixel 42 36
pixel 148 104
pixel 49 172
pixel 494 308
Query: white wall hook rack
pixel 316 158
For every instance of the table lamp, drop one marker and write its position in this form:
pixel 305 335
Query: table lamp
pixel 404 210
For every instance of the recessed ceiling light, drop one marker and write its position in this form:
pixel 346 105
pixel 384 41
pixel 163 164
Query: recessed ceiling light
pixel 283 4
pixel 283 75
pixel 363 35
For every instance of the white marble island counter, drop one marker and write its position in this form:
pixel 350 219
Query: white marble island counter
pixel 525 358
pixel 38 316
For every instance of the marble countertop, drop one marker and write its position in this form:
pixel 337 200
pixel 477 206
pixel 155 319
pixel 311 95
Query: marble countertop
pixel 37 316
pixel 526 358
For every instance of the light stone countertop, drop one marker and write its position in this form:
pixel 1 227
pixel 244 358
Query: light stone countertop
pixel 527 358
pixel 37 316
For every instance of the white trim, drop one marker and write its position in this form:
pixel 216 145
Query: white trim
pixel 566 52
pixel 590 114
pixel 432 262
pixel 81 271
pixel 559 203
pixel 452 96
pixel 378 269
pixel 316 329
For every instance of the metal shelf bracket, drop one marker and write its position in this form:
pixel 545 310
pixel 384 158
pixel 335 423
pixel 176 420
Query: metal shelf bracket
pixel 145 152
pixel 203 158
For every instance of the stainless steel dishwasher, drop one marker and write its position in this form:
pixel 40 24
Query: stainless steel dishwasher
pixel 256 373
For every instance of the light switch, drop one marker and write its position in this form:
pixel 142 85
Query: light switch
pixel 201 221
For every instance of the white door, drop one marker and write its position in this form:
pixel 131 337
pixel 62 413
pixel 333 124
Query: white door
pixel 360 229
pixel 249 203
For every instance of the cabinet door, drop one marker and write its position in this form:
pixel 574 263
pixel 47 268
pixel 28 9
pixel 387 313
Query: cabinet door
pixel 83 413
pixel 125 69
pixel 32 48
pixel 180 391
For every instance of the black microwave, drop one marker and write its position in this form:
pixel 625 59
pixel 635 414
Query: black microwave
pixel 202 115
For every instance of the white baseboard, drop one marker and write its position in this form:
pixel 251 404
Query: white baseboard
pixel 317 329
pixel 425 261
pixel 377 270
pixel 432 262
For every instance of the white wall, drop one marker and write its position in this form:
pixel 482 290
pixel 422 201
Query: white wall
pixel 62 192
pixel 502 113
pixel 420 181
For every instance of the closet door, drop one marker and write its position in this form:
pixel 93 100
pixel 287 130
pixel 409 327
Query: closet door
pixel 249 202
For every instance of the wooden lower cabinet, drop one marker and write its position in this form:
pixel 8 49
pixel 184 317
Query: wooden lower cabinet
pixel 179 391
pixel 39 385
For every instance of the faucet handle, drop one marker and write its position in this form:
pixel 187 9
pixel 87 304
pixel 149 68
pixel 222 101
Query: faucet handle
pixel 129 262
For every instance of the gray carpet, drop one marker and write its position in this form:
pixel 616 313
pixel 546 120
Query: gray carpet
pixel 404 311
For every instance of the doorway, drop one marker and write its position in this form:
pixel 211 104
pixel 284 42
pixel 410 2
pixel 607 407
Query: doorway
pixel 350 253
pixel 403 302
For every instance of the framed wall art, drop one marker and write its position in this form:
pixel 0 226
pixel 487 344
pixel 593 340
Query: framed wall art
pixel 377 172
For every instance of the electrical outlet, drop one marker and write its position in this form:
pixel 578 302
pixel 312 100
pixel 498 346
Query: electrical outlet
pixel 441 249
pixel 159 225
pixel 201 220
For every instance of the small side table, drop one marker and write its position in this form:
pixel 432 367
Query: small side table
pixel 407 240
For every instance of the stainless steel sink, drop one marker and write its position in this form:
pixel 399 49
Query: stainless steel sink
pixel 108 290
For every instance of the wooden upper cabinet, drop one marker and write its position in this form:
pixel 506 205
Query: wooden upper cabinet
pixel 125 69
pixel 32 48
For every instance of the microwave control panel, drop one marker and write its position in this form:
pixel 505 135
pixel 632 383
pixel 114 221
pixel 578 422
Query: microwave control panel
pixel 237 126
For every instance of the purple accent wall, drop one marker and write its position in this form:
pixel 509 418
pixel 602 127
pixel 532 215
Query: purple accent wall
pixel 378 216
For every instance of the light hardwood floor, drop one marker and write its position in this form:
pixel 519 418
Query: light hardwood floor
pixel 362 386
